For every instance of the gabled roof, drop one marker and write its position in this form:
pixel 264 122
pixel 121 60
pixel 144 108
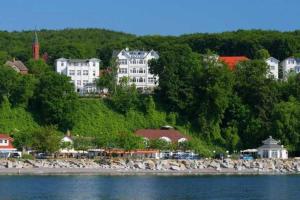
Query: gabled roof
pixel 135 53
pixel 271 140
pixel 271 143
pixel 18 64
pixel 9 146
pixel 273 59
pixel 5 136
pixel 232 61
pixel 153 134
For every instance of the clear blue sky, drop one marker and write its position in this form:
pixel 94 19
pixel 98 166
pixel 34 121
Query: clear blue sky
pixel 165 17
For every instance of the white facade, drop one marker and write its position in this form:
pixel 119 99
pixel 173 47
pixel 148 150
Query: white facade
pixel 83 72
pixel 273 64
pixel 134 65
pixel 290 65
pixel 272 149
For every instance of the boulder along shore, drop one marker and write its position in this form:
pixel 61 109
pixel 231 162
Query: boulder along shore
pixel 120 166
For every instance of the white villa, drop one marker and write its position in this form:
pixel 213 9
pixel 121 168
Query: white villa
pixel 83 72
pixel 273 64
pixel 271 148
pixel 290 65
pixel 134 65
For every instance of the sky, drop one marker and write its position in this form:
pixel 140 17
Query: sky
pixel 149 17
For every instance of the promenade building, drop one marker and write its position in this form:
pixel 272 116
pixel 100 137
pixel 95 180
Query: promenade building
pixel 271 148
pixel 135 65
pixel 83 73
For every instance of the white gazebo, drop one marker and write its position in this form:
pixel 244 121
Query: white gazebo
pixel 271 148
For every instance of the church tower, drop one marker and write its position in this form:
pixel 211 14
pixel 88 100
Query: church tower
pixel 36 48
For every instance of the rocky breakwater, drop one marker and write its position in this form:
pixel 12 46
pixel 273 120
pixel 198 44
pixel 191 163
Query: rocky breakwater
pixel 262 166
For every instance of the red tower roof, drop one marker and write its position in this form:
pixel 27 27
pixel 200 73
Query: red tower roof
pixel 232 61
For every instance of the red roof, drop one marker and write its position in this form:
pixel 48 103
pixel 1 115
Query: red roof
pixel 10 141
pixel 153 134
pixel 232 61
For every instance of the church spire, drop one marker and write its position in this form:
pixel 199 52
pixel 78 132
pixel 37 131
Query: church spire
pixel 35 47
pixel 36 39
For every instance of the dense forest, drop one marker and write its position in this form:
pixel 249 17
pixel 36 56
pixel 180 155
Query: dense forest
pixel 219 108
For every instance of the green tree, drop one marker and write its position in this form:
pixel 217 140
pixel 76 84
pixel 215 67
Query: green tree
pixel 262 54
pixel 46 139
pixel 126 96
pixel 56 100
pixel 130 142
pixel 8 81
pixel 285 123
pixel 4 56
pixel 38 67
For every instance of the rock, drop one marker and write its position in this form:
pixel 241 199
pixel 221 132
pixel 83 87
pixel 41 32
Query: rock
pixel 149 164
pixel 9 164
pixel 139 165
pixel 214 165
pixel 175 168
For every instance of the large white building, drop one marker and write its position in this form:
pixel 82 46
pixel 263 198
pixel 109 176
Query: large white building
pixel 273 64
pixel 290 65
pixel 83 72
pixel 134 65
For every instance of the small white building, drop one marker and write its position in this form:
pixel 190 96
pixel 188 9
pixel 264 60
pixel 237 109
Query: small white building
pixel 290 65
pixel 134 65
pixel 271 148
pixel 273 64
pixel 83 72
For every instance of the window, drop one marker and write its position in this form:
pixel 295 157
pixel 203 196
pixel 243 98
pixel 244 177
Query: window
pixel 123 71
pixel 94 64
pixel 72 72
pixel 141 80
pixel 94 73
pixel 61 64
pixel 123 62
pixel 274 154
pixel 272 67
pixel 85 72
pixel 133 61
pixel 78 83
pixel 85 82
pixel 1 141
pixel 151 80
pixel 75 64
pixel 78 72
pixel 265 154
pixel 141 62
pixel 134 70
pixel 5 141
pixel 141 70
pixel 134 79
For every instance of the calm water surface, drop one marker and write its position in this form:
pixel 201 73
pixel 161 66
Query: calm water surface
pixel 150 187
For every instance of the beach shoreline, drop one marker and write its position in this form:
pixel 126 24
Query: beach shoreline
pixel 131 172
pixel 121 166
